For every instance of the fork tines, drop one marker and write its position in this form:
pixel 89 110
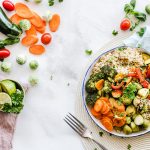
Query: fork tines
pixel 75 124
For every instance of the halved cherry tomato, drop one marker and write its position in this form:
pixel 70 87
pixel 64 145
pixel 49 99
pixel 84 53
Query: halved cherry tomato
pixel 4 53
pixel 139 74
pixel 117 87
pixel 148 72
pixel 46 38
pixel 8 5
pixel 125 24
pixel 145 84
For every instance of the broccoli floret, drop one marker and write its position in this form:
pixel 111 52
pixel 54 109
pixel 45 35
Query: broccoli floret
pixel 107 87
pixel 91 99
pixel 96 77
pixel 90 86
pixel 108 71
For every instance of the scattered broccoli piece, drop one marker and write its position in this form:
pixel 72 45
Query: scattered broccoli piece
pixel 90 86
pixel 91 99
pixel 96 77
pixel 6 66
pixel 107 87
pixel 25 24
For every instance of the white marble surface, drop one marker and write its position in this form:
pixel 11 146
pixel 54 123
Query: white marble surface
pixel 86 24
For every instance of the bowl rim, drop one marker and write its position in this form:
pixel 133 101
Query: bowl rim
pixel 83 93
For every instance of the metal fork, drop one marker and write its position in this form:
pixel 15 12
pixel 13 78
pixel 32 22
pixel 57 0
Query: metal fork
pixel 81 129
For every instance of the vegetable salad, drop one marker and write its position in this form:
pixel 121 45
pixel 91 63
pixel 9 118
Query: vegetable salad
pixel 121 100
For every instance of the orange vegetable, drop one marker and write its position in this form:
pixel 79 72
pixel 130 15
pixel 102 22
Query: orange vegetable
pixel 31 31
pixel 105 109
pixel 99 85
pixel 104 99
pixel 109 115
pixel 41 30
pixel 107 123
pixel 96 114
pixel 54 23
pixel 36 20
pixel 16 19
pixel 36 49
pixel 98 105
pixel 116 93
pixel 118 123
pixel 119 115
pixel 23 11
pixel 29 40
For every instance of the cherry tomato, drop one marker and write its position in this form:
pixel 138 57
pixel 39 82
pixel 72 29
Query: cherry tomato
pixel 8 5
pixel 117 87
pixel 4 53
pixel 46 38
pixel 125 24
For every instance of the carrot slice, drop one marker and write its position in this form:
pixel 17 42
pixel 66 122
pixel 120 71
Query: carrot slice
pixel 96 114
pixel 110 115
pixel 16 19
pixel 107 109
pixel 31 31
pixel 36 20
pixel 98 105
pixel 99 85
pixel 54 23
pixel 36 49
pixel 118 123
pixel 41 30
pixel 29 40
pixel 104 99
pixel 23 10
pixel 107 124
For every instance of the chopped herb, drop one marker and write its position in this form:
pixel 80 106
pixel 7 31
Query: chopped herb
pixel 121 48
pixel 114 32
pixel 141 31
pixel 95 148
pixel 88 52
pixel 52 2
pixel 60 1
pixel 101 133
pixel 129 147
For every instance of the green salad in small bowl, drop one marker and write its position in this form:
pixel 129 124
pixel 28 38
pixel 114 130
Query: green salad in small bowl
pixel 11 96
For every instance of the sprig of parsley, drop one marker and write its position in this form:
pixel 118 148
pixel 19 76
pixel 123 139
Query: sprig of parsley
pixel 129 147
pixel 114 32
pixel 17 103
pixel 141 31
pixel 88 51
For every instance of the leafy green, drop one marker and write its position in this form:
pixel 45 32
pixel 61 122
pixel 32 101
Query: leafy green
pixel 130 91
pixel 88 52
pixel 141 31
pixel 140 16
pixel 128 8
pixel 91 99
pixel 114 32
pixel 129 147
pixel 17 103
pixel 147 9
pixel 133 3
pixel 101 134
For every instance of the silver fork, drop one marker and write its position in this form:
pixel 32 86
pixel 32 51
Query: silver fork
pixel 81 129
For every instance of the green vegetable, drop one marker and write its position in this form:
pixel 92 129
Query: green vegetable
pixel 96 77
pixel 7 27
pixel 127 129
pixel 101 133
pixel 140 16
pixel 130 110
pixel 6 66
pixel 133 3
pixel 21 59
pixel 128 120
pixel 147 9
pixel 25 24
pixel 126 100
pixel 90 86
pixel 107 87
pixel 128 8
pixel 136 101
pixel 129 147
pixel 8 41
pixel 114 32
pixel 33 64
pixel 88 52
pixel 50 2
pixel 91 99
pixel 144 92
pixel 141 32
pixel 146 123
pixel 33 80
pixel 134 127
pixel 37 1
pixel 138 120
pixel 17 103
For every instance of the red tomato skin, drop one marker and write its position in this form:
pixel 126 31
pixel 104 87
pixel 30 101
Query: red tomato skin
pixel 46 38
pixel 4 53
pixel 125 24
pixel 8 5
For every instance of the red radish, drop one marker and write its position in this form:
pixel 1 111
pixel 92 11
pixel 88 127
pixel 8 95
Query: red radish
pixel 125 24
pixel 8 5
pixel 4 53
pixel 46 38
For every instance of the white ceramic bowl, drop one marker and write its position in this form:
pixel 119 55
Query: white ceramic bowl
pixel 96 121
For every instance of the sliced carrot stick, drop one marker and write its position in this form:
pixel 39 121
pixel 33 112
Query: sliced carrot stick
pixel 31 31
pixel 36 20
pixel 16 19
pixel 99 85
pixel 29 40
pixel 98 105
pixel 36 49
pixel 23 11
pixel 107 124
pixel 41 30
pixel 54 23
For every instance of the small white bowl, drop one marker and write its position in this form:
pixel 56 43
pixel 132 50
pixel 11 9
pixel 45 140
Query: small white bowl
pixel 96 121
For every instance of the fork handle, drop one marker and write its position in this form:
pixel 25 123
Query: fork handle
pixel 100 145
